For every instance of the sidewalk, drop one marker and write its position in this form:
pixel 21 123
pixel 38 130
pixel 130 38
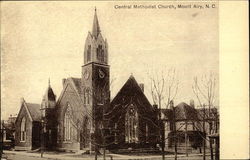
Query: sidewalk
pixel 73 156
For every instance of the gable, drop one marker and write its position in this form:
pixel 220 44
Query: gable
pixel 71 96
pixel 23 112
pixel 34 110
pixel 71 85
pixel 131 93
pixel 185 112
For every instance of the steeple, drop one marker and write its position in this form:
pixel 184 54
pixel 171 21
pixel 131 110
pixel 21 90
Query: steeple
pixel 96 28
pixel 49 98
pixel 49 82
pixel 96 48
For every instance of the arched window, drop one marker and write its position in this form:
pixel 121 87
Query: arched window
pixel 131 125
pixel 89 53
pixel 100 53
pixel 23 129
pixel 86 98
pixel 67 124
pixel 146 130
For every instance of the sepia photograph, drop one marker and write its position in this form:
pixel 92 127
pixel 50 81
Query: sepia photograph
pixel 110 80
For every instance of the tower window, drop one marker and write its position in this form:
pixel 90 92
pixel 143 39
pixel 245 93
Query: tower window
pixel 89 53
pixel 23 129
pixel 86 98
pixel 100 53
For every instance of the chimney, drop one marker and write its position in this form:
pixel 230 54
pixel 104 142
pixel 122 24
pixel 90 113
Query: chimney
pixel 171 104
pixel 63 81
pixel 22 100
pixel 142 87
pixel 192 103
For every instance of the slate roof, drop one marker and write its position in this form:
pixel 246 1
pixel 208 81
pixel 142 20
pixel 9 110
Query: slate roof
pixel 96 28
pixel 76 82
pixel 131 88
pixel 34 110
pixel 185 112
pixel 131 93
pixel 49 94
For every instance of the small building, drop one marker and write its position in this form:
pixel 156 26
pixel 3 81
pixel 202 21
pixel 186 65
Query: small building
pixel 8 129
pixel 27 134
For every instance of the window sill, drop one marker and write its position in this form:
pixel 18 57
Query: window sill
pixel 22 141
pixel 67 142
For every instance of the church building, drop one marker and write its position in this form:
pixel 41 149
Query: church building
pixel 83 117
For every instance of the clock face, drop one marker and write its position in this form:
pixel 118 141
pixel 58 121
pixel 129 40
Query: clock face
pixel 101 73
pixel 86 74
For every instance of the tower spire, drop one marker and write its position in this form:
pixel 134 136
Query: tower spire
pixel 96 28
pixel 49 82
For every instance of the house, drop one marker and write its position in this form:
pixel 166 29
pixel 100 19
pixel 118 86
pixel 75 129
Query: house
pixel 192 126
pixel 27 125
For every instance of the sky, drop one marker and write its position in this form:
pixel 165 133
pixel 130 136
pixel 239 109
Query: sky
pixel 42 40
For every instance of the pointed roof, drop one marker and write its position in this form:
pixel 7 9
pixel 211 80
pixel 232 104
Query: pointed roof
pixel 49 94
pixel 131 89
pixel 96 28
pixel 75 83
pixel 185 112
pixel 32 109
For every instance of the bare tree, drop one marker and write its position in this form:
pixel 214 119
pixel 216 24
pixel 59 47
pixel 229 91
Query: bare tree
pixel 164 87
pixel 204 89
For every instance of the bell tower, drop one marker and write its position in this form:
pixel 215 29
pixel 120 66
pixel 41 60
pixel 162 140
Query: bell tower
pixel 48 115
pixel 96 48
pixel 95 75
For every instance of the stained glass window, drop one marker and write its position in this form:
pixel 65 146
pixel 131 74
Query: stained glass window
pixel 131 125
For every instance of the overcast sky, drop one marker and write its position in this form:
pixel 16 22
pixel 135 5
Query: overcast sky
pixel 46 39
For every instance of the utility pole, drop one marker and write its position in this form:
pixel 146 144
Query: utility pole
pixel 1 134
pixel 210 121
pixel 204 134
pixel 186 149
pixel 42 138
pixel 175 134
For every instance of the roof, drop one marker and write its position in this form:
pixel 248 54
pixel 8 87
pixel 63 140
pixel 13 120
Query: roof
pixel 34 110
pixel 131 92
pixel 49 94
pixel 185 112
pixel 96 28
pixel 76 83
